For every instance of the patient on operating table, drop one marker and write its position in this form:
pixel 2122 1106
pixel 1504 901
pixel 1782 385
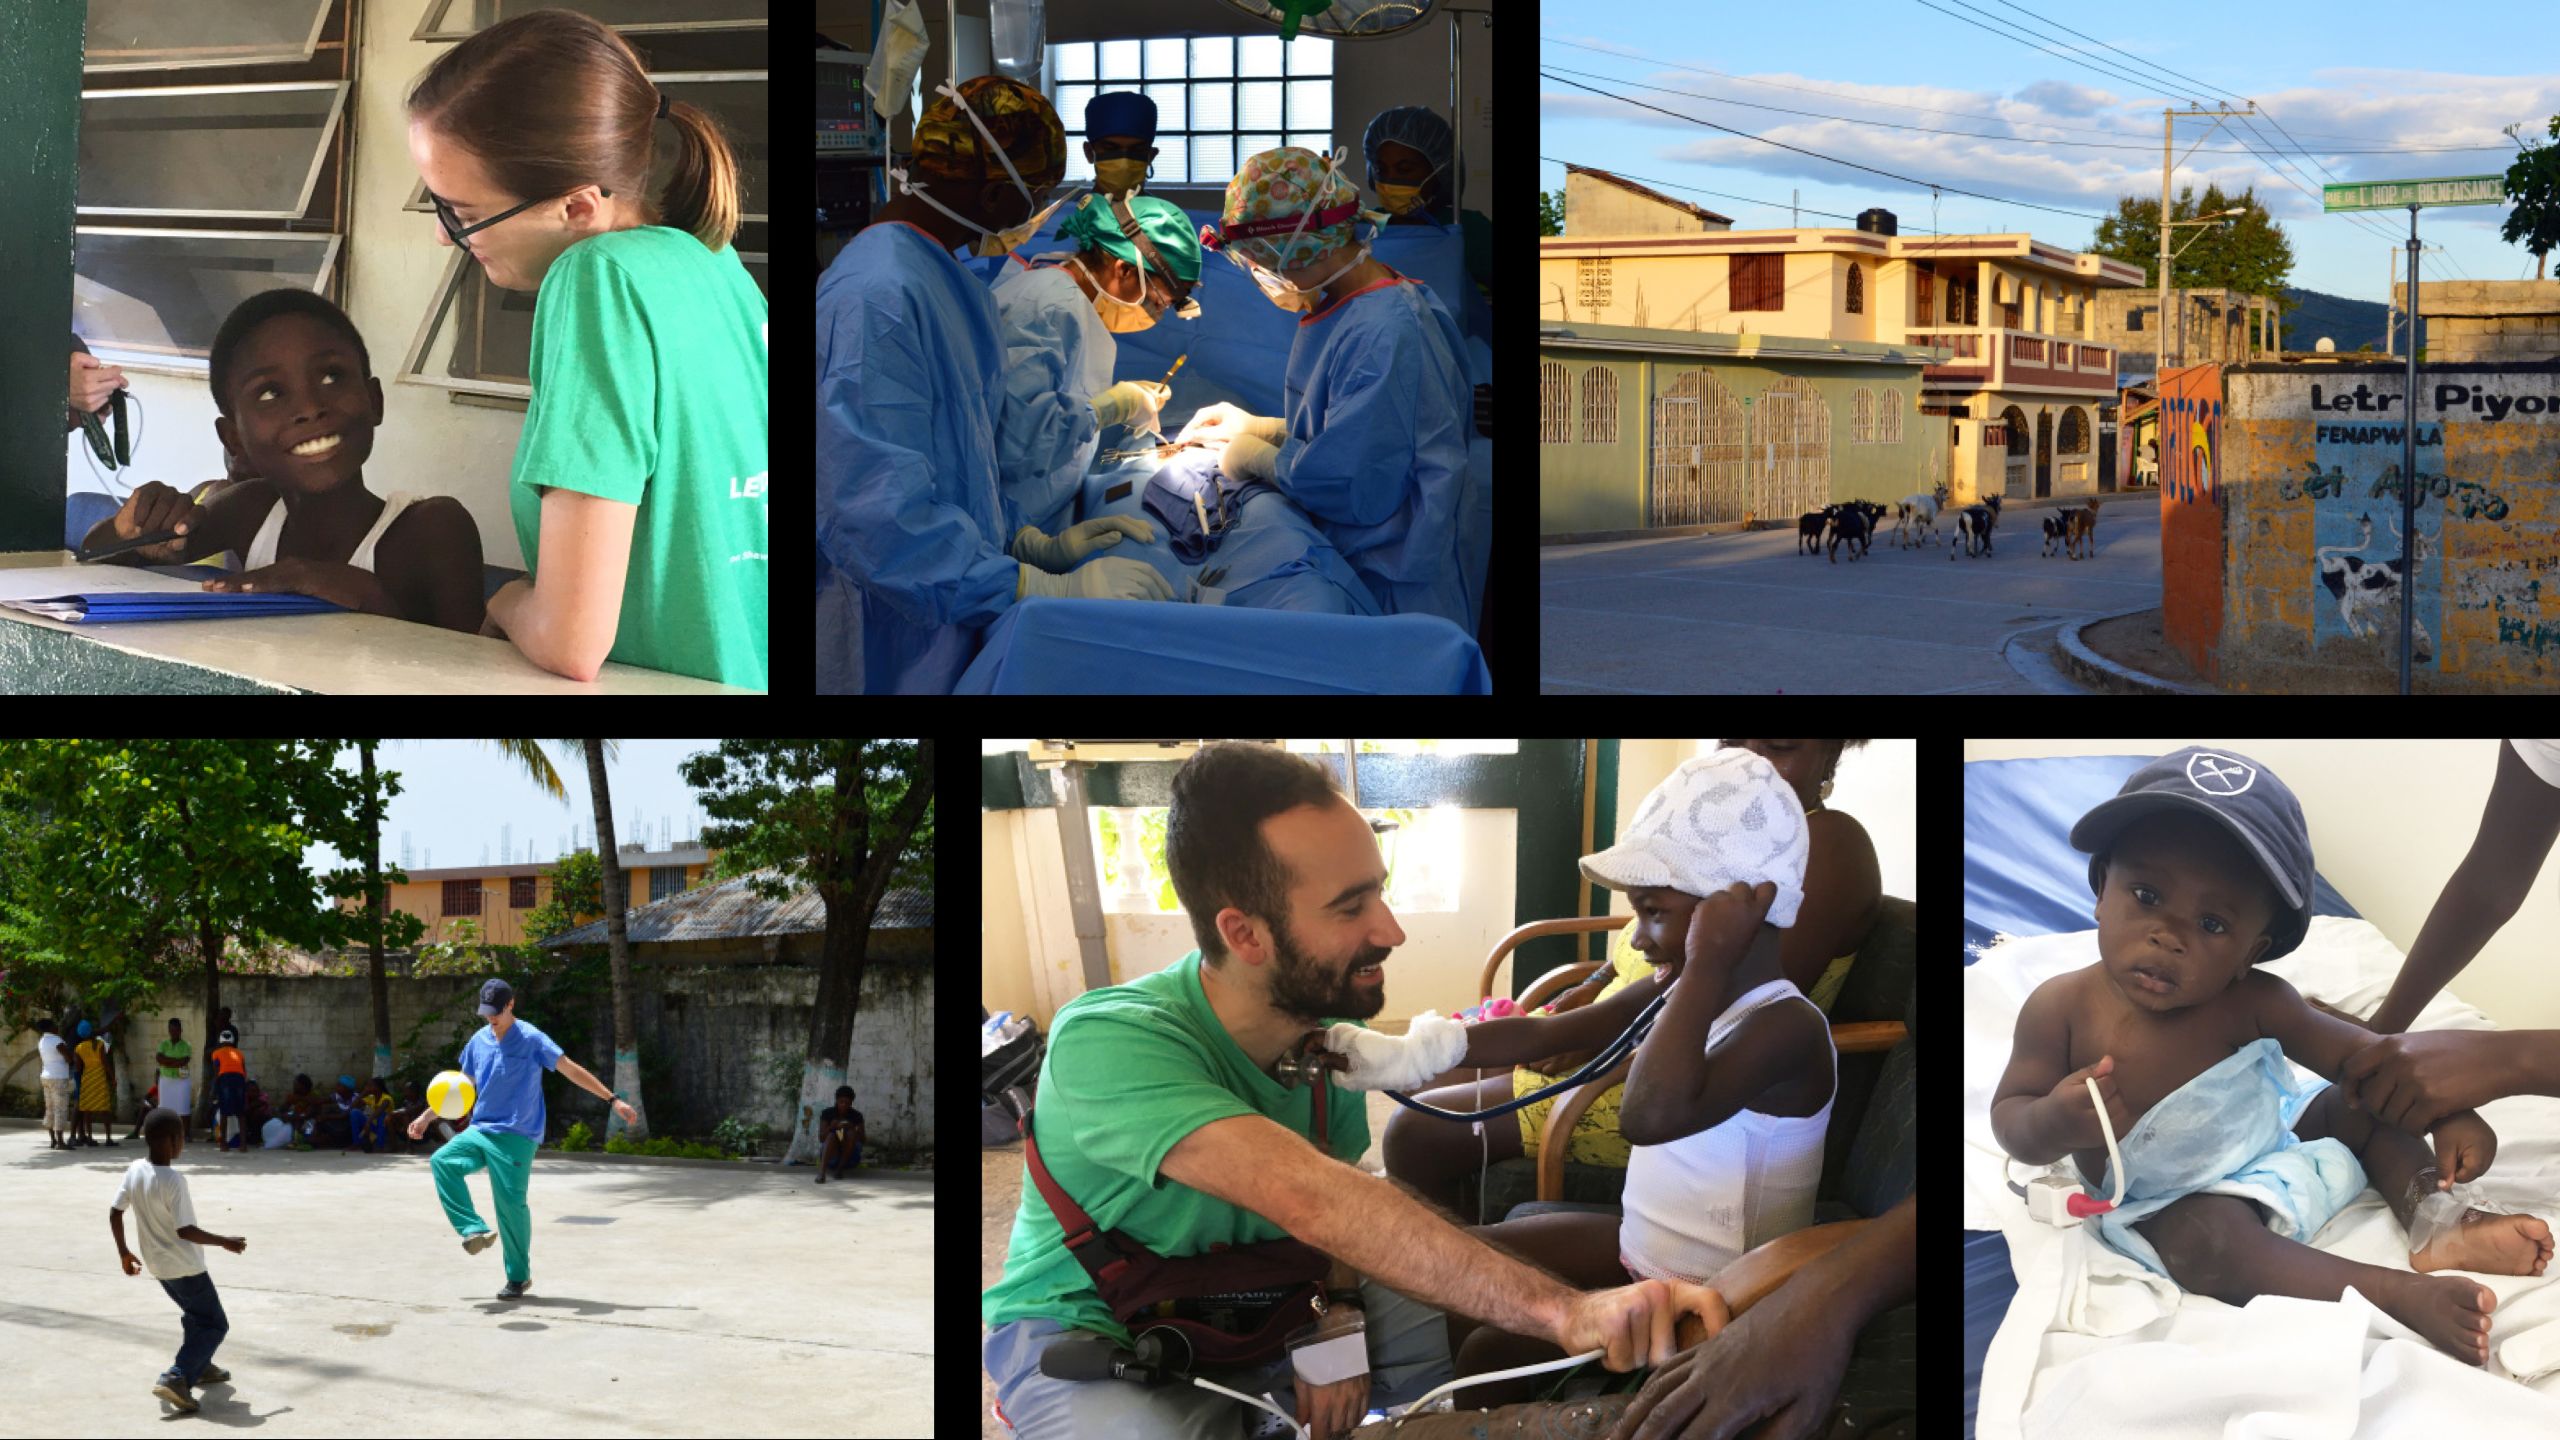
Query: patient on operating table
pixel 2202 868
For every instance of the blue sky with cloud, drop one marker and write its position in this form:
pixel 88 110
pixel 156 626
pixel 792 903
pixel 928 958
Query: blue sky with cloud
pixel 2340 78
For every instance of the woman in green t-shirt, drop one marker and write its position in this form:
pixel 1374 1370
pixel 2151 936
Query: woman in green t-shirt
pixel 639 482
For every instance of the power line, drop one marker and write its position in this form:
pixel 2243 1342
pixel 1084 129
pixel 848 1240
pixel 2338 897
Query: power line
pixel 1721 195
pixel 1897 125
pixel 2359 140
pixel 2111 71
pixel 1818 155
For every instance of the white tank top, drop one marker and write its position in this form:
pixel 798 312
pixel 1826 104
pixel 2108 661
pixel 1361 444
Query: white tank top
pixel 262 549
pixel 1696 1204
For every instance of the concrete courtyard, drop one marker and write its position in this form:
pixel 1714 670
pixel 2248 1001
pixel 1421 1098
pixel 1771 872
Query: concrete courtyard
pixel 668 1298
pixel 1744 613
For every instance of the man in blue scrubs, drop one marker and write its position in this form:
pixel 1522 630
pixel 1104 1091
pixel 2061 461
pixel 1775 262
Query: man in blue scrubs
pixel 505 1062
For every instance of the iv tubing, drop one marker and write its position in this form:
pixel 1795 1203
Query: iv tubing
pixel 1418 1406
pixel 1294 1427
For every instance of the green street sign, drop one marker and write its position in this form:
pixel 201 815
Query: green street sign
pixel 2400 194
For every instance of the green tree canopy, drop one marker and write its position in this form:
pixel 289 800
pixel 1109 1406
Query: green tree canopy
pixel 2249 254
pixel 2533 188
pixel 1550 212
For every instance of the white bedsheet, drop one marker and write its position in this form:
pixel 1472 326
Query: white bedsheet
pixel 2094 1346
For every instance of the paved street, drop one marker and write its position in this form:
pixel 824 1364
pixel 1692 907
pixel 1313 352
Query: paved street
pixel 1745 613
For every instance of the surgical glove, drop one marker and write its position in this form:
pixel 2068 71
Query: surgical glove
pixel 1135 403
pixel 1110 578
pixel 1250 457
pixel 1431 1044
pixel 1068 548
pixel 1222 422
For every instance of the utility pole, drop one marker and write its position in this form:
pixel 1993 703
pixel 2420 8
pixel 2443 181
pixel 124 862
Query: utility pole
pixel 2168 123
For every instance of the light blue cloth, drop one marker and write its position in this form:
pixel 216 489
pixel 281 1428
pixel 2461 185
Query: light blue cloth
pixel 2229 1132
pixel 1090 647
pixel 1057 358
pixel 909 369
pixel 506 1078
pixel 1272 558
pixel 1380 411
pixel 1436 255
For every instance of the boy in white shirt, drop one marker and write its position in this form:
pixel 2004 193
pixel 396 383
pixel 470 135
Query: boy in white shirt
pixel 158 1195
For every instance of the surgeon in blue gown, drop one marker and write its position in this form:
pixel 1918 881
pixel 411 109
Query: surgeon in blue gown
pixel 1378 407
pixel 1135 259
pixel 910 515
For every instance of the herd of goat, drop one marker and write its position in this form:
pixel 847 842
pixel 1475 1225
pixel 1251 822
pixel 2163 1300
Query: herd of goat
pixel 1853 523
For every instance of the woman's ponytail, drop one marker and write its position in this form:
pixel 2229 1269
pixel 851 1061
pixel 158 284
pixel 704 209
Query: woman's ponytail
pixel 702 195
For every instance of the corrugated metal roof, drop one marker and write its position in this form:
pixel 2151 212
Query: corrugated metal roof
pixel 730 910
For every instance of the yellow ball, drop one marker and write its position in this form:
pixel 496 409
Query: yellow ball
pixel 450 1094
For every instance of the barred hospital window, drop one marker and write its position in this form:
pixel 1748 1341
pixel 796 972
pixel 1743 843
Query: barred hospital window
pixel 1219 98
pixel 1599 407
pixel 1857 289
pixel 1889 422
pixel 462 897
pixel 1555 404
pixel 1862 410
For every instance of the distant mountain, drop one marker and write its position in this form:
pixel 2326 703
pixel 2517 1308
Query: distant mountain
pixel 2347 323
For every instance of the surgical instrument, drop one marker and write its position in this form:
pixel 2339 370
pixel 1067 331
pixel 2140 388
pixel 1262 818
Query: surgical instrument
pixel 1158 451
pixel 1177 365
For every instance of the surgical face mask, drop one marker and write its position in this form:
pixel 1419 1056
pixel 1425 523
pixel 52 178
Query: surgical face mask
pixel 1119 177
pixel 990 242
pixel 1303 297
pixel 1403 199
pixel 1119 316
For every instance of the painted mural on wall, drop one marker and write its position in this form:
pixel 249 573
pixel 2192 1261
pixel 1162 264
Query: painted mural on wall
pixel 2191 437
pixel 2358 572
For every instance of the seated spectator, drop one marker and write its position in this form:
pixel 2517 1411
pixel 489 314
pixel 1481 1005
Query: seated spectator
pixel 840 1132
pixel 371 1109
pixel 300 1112
pixel 255 1109
pixel 340 1116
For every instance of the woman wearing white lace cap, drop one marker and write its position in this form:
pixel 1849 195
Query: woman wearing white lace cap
pixel 1726 1104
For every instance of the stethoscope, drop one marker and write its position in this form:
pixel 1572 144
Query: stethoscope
pixel 1308 1059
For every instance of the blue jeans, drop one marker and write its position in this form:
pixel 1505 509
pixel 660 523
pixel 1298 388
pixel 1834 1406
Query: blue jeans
pixel 204 1324
pixel 1408 1357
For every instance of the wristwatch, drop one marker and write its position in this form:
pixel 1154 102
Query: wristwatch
pixel 1331 1298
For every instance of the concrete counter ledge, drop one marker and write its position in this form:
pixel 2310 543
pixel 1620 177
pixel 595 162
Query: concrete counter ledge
pixel 339 654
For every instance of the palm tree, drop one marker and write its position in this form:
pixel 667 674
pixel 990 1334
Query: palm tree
pixel 617 929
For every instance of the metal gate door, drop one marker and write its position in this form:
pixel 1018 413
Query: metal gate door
pixel 1697 452
pixel 2044 454
pixel 1793 441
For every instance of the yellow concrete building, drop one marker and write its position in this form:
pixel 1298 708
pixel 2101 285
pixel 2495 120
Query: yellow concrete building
pixel 499 896
pixel 2022 385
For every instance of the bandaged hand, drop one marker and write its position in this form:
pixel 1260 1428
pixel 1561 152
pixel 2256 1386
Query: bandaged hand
pixel 1431 1044
pixel 1219 423
pixel 1248 458
pixel 1070 547
pixel 1109 578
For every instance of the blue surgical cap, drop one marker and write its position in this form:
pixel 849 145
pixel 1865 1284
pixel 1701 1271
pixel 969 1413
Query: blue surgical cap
pixel 1410 125
pixel 1120 112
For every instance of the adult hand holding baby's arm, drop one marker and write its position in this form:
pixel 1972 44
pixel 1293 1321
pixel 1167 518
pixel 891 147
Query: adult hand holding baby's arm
pixel 2464 1147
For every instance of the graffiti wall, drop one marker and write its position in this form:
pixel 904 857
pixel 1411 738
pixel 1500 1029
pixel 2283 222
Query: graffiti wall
pixel 2358 568
pixel 2191 514
pixel 2312 486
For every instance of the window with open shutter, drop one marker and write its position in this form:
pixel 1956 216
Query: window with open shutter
pixel 1758 282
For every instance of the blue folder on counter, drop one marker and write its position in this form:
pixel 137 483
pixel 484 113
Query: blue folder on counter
pixel 114 606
